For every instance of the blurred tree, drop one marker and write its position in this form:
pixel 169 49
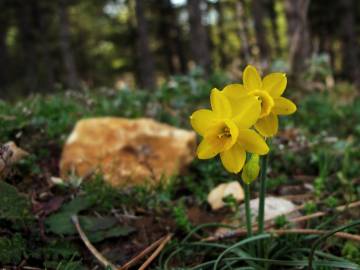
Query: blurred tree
pixel 270 7
pixel 324 29
pixel 260 31
pixel 171 36
pixel 145 61
pixel 24 14
pixel 298 32
pixel 4 25
pixel 44 21
pixel 72 79
pixel 243 31
pixel 199 40
pixel 224 61
pixel 350 44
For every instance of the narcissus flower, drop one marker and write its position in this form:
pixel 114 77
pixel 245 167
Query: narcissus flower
pixel 268 91
pixel 226 130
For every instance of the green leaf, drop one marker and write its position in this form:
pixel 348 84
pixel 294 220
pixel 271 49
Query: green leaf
pixel 77 205
pixel 13 205
pixel 113 232
pixel 96 228
pixel 12 249
pixel 61 223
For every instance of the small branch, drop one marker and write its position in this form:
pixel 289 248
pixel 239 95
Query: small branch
pixel 343 235
pixel 91 248
pixel 270 224
pixel 321 214
pixel 143 253
pixel 298 197
pixel 279 232
pixel 156 252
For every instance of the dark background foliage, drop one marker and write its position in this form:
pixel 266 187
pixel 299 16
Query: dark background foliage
pixel 46 46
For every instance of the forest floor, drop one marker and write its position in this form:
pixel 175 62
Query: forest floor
pixel 315 162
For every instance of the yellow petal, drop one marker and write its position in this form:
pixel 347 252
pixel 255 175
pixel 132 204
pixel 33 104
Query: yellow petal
pixel 220 104
pixel 234 91
pixel 209 148
pixel 224 132
pixel 268 125
pixel 234 131
pixel 233 159
pixel 202 120
pixel 252 142
pixel 275 84
pixel 251 78
pixel 283 106
pixel 246 111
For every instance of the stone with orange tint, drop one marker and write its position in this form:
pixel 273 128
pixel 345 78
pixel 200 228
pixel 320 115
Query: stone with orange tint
pixel 125 151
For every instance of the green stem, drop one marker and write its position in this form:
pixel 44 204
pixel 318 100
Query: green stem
pixel 262 194
pixel 261 212
pixel 248 210
pixel 248 216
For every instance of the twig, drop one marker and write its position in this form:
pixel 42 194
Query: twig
pixel 156 252
pixel 143 253
pixel 321 214
pixel 242 232
pixel 239 232
pixel 299 197
pixel 91 248
pixel 348 236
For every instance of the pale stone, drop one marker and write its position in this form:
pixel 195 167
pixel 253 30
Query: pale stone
pixel 127 151
pixel 274 207
pixel 216 195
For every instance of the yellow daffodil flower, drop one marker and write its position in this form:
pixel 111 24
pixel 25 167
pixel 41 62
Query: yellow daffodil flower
pixel 268 90
pixel 226 130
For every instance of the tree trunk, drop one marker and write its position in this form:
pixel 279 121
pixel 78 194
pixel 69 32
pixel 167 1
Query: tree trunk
pixel 350 49
pixel 168 46
pixel 44 17
pixel 72 80
pixel 298 32
pixel 221 26
pixel 274 27
pixel 24 11
pixel 181 51
pixel 170 33
pixel 242 30
pixel 3 51
pixel 145 61
pixel 199 41
pixel 260 32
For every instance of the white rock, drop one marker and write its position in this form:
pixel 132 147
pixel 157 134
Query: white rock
pixel 274 207
pixel 215 197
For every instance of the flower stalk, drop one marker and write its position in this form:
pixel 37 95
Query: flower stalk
pixel 248 210
pixel 262 193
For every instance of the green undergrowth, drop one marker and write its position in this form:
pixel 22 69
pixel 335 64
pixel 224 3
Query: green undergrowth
pixel 320 144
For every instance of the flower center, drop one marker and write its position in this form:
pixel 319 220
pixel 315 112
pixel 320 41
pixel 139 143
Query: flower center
pixel 266 100
pixel 225 132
